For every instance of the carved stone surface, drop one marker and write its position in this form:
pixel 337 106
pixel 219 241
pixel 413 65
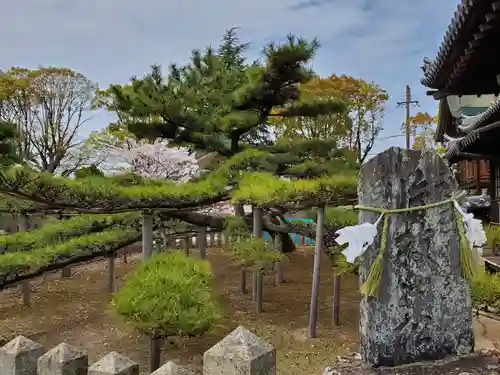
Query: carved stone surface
pixel 424 308
pixel 114 364
pixel 19 356
pixel 240 353
pixel 63 360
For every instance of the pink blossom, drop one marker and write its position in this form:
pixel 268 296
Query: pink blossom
pixel 159 161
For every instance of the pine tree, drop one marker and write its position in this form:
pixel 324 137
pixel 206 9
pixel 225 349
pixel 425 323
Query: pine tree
pixel 209 106
pixel 218 104
pixel 231 51
pixel 204 106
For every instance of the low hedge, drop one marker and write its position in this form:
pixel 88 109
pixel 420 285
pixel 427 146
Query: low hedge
pixel 485 290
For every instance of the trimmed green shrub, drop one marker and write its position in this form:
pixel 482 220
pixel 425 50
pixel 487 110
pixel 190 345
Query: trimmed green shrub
pixel 235 227
pixel 254 252
pixel 485 290
pixel 492 235
pixel 169 294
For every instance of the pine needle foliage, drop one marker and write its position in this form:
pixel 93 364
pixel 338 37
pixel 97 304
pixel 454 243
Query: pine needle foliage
pixel 253 252
pixel 19 265
pixel 56 231
pixel 167 295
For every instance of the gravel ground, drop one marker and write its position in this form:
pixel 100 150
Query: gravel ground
pixel 484 363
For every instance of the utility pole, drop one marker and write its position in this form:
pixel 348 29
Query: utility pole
pixel 407 103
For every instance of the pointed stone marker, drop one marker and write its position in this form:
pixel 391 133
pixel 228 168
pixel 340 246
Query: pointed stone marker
pixel 19 356
pixel 170 368
pixel 240 353
pixel 63 360
pixel 114 364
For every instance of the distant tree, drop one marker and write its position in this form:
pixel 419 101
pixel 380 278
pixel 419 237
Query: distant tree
pixel 423 129
pixel 356 128
pixel 48 106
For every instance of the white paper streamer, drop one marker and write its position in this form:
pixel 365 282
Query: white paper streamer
pixel 359 238
pixel 474 231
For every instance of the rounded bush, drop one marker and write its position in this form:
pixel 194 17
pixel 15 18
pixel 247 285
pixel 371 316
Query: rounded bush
pixel 169 294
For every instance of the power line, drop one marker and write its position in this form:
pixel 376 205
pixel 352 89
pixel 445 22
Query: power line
pixel 389 137
pixel 407 103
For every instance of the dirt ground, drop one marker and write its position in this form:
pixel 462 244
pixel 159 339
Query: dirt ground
pixel 75 310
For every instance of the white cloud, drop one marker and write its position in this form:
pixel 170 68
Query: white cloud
pixel 382 40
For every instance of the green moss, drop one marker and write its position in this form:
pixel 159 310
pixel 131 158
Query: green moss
pixel 169 295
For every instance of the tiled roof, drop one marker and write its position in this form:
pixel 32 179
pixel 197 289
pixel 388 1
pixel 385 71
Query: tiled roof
pixel 485 118
pixel 454 147
pixel 433 69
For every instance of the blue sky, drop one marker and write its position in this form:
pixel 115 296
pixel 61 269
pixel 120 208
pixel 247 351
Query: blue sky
pixel 110 41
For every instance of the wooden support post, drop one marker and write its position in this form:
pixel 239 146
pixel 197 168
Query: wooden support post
pixel 336 301
pixel 147 252
pixel 202 241
pixel 258 280
pixel 111 273
pixel 278 269
pixel 313 312
pixel 147 235
pixel 23 226
pixel 66 272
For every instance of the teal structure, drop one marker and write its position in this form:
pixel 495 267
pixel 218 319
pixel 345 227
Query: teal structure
pixel 295 236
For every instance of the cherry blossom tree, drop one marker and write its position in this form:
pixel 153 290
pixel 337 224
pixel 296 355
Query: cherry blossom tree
pixel 152 160
pixel 160 161
pixel 149 159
